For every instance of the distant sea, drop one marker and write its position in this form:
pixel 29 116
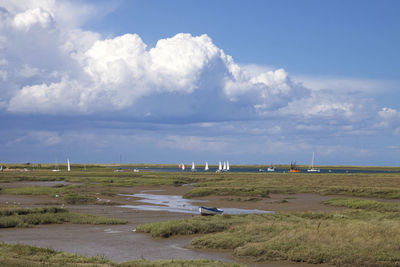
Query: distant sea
pixel 255 170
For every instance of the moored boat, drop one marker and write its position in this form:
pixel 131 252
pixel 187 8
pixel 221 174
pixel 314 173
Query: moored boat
pixel 204 211
pixel 312 169
pixel 293 167
pixel 271 168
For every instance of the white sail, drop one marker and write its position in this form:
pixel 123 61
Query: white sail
pixel 227 166
pixel 224 168
pixel 193 167
pixel 69 166
pixel 183 167
pixel 312 160
pixel 312 165
pixel 206 167
pixel 220 166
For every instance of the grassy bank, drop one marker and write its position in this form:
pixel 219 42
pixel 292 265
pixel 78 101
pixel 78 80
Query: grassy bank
pixel 24 255
pixel 25 217
pixel 89 185
pixel 364 204
pixel 347 239
pixel 381 185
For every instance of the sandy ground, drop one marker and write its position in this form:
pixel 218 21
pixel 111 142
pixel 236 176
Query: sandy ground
pixel 118 243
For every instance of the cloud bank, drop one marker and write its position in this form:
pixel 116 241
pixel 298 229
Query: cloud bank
pixel 64 70
pixel 49 65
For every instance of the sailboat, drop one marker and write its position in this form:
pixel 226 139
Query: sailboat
pixel 219 167
pixel 182 166
pixel 224 168
pixel 56 169
pixel 206 167
pixel 193 167
pixel 227 166
pixel 68 165
pixel 312 165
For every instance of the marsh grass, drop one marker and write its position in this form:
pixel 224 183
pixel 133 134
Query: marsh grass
pixel 366 204
pixel 380 185
pixel 25 217
pixel 17 255
pixel 341 238
pixel 24 255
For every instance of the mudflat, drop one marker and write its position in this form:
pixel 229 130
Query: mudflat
pixel 119 243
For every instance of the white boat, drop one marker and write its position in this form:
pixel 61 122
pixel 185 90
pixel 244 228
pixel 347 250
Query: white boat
pixel 224 168
pixel 312 165
pixel 193 167
pixel 204 211
pixel 219 167
pixel 181 166
pixel 271 168
pixel 68 165
pixel 227 166
pixel 56 169
pixel 1 168
pixel 206 167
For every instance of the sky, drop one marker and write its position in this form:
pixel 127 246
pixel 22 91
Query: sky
pixel 249 82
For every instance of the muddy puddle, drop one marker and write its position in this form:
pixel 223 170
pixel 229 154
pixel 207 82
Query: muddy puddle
pixel 172 203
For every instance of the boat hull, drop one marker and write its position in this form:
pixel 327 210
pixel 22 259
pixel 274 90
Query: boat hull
pixel 205 211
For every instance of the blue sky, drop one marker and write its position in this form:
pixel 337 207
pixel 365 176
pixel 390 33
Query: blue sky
pixel 254 82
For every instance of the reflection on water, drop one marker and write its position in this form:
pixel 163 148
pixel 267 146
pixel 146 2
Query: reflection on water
pixel 178 204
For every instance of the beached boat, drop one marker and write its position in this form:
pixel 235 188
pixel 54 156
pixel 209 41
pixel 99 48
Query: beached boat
pixel 204 211
pixel 312 165
pixel 293 167
pixel 56 169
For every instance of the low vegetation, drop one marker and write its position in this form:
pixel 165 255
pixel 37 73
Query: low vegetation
pixel 25 217
pixel 347 239
pixel 23 255
pixel 366 204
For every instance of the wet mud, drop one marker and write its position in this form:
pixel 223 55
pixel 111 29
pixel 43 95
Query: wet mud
pixel 119 243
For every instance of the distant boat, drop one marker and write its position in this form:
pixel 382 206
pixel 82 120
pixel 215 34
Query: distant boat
pixel 224 168
pixel 182 166
pixel 227 166
pixel 193 167
pixel 271 168
pixel 312 165
pixel 206 167
pixel 219 167
pixel 56 169
pixel 68 165
pixel 204 211
pixel 1 168
pixel 293 167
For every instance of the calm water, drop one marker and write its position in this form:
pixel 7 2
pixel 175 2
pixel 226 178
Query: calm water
pixel 255 170
pixel 177 204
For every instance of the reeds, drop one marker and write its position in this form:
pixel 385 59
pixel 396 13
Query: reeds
pixel 25 217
